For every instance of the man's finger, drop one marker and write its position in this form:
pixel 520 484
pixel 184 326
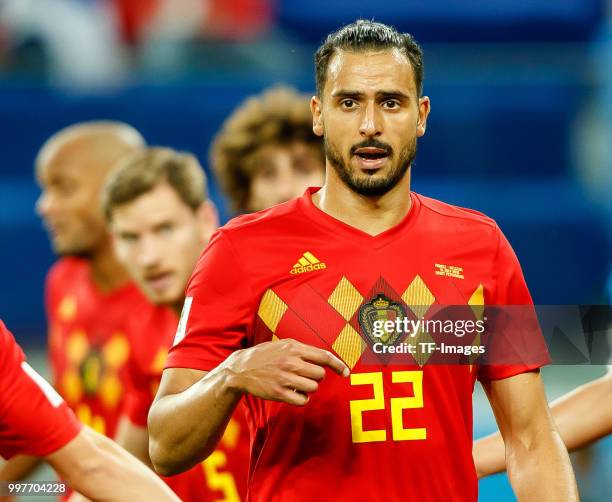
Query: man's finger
pixel 324 358
pixel 309 370
pixel 299 383
pixel 295 398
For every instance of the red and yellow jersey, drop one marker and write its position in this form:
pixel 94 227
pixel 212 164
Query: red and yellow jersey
pixel 223 475
pixel 88 342
pixel 399 429
pixel 34 419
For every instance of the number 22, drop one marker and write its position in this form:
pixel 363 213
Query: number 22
pixel 398 404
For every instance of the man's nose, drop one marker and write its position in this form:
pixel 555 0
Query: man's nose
pixel 371 124
pixel 149 255
pixel 44 204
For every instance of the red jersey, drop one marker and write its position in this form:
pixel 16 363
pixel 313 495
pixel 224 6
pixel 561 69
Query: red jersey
pixel 398 431
pixel 34 419
pixel 88 342
pixel 223 475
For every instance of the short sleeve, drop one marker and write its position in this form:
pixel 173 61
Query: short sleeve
pixel 218 314
pixel 34 419
pixel 516 344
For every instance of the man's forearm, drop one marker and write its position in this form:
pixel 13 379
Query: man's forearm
pixel 585 414
pixel 489 455
pixel 19 467
pixel 134 439
pixel 540 469
pixel 185 428
pixel 101 470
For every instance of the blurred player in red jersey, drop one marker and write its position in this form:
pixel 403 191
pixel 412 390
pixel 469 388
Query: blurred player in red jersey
pixel 88 295
pixel 266 152
pixel 35 420
pixel 277 313
pixel 156 207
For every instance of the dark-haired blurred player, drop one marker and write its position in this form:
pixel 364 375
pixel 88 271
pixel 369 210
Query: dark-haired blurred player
pixel 276 292
pixel 88 294
pixel 156 207
pixel 35 420
pixel 266 152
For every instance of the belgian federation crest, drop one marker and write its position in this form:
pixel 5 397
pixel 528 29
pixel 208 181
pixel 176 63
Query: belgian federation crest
pixel 373 315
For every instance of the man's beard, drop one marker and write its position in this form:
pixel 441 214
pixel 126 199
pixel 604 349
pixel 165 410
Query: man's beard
pixel 371 186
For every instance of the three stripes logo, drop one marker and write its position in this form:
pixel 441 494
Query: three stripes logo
pixel 307 263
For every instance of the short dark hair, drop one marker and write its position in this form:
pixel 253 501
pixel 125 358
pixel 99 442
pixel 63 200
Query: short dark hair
pixel 144 169
pixel 362 36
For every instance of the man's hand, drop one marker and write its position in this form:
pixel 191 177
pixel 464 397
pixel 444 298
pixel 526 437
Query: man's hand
pixel 192 408
pixel 286 370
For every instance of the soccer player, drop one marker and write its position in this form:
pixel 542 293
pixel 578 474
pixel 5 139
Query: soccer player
pixel 35 420
pixel 156 207
pixel 279 309
pixel 266 152
pixel 88 295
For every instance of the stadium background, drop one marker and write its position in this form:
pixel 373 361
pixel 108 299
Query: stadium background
pixel 521 125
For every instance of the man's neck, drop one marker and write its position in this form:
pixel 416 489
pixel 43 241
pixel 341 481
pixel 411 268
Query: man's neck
pixel 177 306
pixel 372 215
pixel 106 272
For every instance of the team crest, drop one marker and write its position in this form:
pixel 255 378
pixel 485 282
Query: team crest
pixel 91 371
pixel 380 308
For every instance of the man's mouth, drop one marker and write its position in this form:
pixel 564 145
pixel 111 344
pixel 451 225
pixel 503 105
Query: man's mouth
pixel 371 158
pixel 52 227
pixel 159 282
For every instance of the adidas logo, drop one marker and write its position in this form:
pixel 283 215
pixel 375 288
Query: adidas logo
pixel 307 263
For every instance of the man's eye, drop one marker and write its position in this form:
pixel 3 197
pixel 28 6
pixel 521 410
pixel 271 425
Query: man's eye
pixel 166 229
pixel 391 104
pixel 128 238
pixel 348 104
pixel 65 187
pixel 268 174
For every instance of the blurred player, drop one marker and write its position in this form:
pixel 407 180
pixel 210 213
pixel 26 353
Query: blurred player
pixel 266 152
pixel 277 291
pixel 155 203
pixel 88 295
pixel 34 420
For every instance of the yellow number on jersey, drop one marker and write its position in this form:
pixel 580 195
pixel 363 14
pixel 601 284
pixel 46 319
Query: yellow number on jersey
pixel 218 480
pixel 358 406
pixel 398 404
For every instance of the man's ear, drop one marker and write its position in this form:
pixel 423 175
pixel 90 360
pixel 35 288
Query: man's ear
pixel 424 109
pixel 317 117
pixel 208 220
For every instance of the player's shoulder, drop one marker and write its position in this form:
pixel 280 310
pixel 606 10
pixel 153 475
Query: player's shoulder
pixel 273 218
pixel 10 352
pixel 452 215
pixel 6 338
pixel 65 268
